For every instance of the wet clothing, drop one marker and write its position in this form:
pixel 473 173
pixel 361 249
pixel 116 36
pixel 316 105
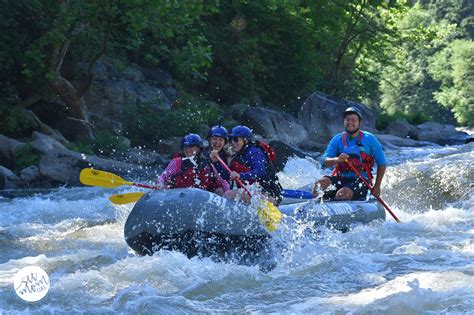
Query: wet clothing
pixel 253 165
pixel 184 172
pixel 355 184
pixel 364 149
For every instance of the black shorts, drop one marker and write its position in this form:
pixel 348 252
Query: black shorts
pixel 355 184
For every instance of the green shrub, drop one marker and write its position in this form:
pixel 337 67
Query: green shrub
pixel 106 143
pixel 15 121
pixel 145 125
pixel 81 146
pixel 384 118
pixel 24 157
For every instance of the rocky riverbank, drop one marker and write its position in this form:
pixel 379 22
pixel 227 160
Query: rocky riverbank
pixel 44 160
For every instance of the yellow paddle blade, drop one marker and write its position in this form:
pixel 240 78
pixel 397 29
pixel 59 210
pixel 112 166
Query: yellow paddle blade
pixel 269 215
pixel 93 177
pixel 126 198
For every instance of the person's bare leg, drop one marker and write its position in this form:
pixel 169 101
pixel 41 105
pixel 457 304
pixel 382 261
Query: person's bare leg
pixel 344 194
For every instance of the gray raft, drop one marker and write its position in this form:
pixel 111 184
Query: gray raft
pixel 198 222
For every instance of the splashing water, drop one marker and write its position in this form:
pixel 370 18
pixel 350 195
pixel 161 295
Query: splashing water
pixel 422 265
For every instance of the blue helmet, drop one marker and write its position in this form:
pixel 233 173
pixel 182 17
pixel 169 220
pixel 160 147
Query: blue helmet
pixel 241 131
pixel 353 110
pixel 190 140
pixel 217 131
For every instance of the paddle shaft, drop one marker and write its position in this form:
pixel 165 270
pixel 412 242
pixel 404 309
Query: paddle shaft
pixel 145 186
pixel 372 191
pixel 236 179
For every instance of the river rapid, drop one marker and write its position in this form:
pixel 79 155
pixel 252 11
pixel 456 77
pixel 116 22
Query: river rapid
pixel 423 265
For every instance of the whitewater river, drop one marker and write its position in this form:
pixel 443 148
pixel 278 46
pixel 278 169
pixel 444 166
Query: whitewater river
pixel 424 265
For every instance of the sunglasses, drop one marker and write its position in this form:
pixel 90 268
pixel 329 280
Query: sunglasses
pixel 234 139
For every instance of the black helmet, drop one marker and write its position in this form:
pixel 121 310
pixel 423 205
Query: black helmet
pixel 353 110
pixel 190 140
pixel 217 131
pixel 242 132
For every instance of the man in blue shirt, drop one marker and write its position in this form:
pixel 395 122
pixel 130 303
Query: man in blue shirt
pixel 347 150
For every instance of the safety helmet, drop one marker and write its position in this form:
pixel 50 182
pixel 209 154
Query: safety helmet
pixel 217 131
pixel 241 131
pixel 353 110
pixel 190 140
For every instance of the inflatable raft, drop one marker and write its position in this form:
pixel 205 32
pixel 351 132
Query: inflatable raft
pixel 197 222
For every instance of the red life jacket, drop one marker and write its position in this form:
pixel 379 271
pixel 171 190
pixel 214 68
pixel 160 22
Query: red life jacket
pixel 271 154
pixel 362 161
pixel 197 176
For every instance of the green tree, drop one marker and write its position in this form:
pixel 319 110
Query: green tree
pixel 52 34
pixel 454 67
pixel 406 85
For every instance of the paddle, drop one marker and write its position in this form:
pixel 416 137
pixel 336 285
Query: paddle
pixel 297 194
pixel 92 177
pixel 269 215
pixel 372 191
pixel 126 198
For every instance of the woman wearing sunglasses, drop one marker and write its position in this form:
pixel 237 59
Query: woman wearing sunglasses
pixel 252 164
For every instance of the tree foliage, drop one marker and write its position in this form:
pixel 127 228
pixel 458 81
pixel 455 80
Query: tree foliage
pixel 432 71
pixel 398 57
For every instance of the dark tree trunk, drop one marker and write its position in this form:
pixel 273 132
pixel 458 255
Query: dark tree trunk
pixel 68 94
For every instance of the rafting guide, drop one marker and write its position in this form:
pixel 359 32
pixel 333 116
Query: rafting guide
pixel 31 283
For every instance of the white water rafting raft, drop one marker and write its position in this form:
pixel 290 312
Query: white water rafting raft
pixel 197 222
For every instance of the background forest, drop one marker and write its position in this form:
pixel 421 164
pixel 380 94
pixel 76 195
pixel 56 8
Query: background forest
pixel 404 59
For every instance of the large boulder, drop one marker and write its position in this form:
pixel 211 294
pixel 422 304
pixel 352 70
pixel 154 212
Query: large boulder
pixel 141 157
pixel 7 178
pixel 113 98
pixel 283 153
pixel 59 165
pixel 8 147
pixel 63 167
pixel 114 89
pixel 440 134
pixel 158 76
pixel 393 142
pixel 402 129
pixel 101 122
pixel 275 125
pixel 322 116
pixel 45 144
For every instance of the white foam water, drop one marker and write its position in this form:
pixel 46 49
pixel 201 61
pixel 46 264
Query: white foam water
pixel 423 265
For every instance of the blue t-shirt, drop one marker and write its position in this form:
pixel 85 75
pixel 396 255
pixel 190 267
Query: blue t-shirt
pixel 370 145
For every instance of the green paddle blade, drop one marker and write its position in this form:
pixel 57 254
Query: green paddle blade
pixel 269 215
pixel 99 178
pixel 122 199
